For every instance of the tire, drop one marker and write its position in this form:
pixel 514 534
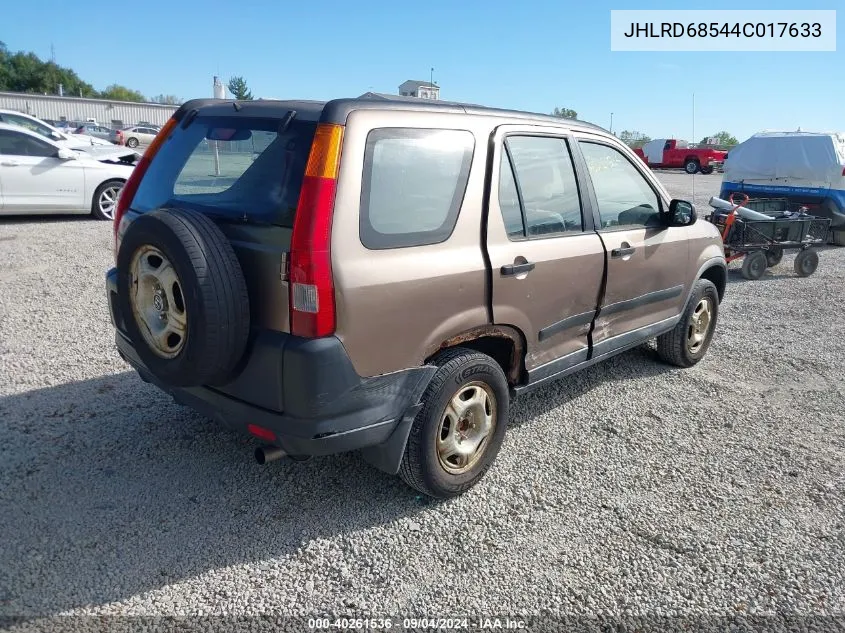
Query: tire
pixel 774 256
pixel 132 142
pixel 105 199
pixel 202 302
pixel 706 170
pixel 754 265
pixel 691 166
pixel 806 262
pixel 836 238
pixel 675 347
pixel 460 371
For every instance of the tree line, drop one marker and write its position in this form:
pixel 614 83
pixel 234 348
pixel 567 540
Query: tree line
pixel 636 139
pixel 26 72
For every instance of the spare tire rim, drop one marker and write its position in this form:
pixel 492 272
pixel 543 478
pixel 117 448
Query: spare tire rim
pixel 158 304
pixel 466 427
pixel 699 325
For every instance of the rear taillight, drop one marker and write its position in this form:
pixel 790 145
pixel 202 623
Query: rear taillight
pixel 124 200
pixel 312 309
pixel 843 171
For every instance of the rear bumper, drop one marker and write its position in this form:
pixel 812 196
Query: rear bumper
pixel 305 391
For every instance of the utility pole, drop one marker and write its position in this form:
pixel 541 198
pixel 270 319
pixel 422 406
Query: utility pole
pixel 52 53
pixel 611 122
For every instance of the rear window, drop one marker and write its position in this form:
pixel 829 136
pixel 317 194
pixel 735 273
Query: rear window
pixel 236 167
pixel 414 184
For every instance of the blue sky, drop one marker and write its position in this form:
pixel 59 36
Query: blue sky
pixel 532 55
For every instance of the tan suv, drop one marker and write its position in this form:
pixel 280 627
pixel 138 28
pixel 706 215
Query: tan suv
pixel 386 275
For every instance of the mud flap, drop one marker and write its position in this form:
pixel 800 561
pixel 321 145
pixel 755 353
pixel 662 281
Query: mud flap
pixel 387 456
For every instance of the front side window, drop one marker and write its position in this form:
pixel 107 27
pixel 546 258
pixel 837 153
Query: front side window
pixel 17 144
pixel 624 197
pixel 413 186
pixel 546 184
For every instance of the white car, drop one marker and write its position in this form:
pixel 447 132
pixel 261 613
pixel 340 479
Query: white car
pixel 84 143
pixel 70 140
pixel 41 176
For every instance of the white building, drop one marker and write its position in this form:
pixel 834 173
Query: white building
pixel 421 89
pixel 109 113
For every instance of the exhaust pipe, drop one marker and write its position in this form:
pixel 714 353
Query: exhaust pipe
pixel 265 454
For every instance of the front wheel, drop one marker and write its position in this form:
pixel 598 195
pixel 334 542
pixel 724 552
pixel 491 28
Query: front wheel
pixel 806 262
pixel 688 341
pixel 105 199
pixel 754 264
pixel 458 432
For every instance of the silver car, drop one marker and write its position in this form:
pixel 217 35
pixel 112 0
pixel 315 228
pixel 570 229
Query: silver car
pixel 135 135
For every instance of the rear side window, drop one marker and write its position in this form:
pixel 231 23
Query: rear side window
pixel 540 168
pixel 237 167
pixel 413 186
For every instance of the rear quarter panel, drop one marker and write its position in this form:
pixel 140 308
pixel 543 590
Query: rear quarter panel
pixel 395 306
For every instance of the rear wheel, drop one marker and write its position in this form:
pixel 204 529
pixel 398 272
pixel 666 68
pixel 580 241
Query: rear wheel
pixel 132 142
pixel 837 238
pixel 458 432
pixel 688 341
pixel 806 262
pixel 707 170
pixel 774 255
pixel 754 265
pixel 105 199
pixel 691 166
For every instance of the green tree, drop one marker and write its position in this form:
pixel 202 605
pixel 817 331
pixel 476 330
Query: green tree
pixel 725 139
pixel 5 75
pixel 565 113
pixel 26 72
pixel 239 89
pixel 117 92
pixel 634 138
pixel 167 99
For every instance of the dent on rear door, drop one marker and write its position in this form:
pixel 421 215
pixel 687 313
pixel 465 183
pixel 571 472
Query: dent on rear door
pixel 554 302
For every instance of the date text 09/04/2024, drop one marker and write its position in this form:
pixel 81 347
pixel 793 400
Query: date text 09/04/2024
pixel 716 29
pixel 419 624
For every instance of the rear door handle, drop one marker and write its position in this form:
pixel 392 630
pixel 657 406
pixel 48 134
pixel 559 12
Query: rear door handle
pixel 509 270
pixel 622 252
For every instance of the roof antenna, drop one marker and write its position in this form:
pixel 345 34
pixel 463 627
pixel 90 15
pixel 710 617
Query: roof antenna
pixel 693 140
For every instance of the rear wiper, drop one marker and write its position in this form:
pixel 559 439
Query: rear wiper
pixel 286 121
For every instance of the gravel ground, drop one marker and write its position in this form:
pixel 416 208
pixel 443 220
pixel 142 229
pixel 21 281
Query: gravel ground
pixel 628 489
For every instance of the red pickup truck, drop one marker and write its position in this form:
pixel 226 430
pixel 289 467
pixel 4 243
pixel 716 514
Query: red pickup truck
pixel 672 153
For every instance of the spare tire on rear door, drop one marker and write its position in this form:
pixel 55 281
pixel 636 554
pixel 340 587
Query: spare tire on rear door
pixel 183 297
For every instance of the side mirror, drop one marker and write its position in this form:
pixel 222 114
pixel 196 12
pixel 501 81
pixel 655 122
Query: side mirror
pixel 66 154
pixel 681 213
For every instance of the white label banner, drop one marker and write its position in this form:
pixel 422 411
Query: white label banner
pixel 723 30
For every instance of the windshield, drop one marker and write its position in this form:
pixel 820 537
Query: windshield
pixel 30 124
pixel 255 176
